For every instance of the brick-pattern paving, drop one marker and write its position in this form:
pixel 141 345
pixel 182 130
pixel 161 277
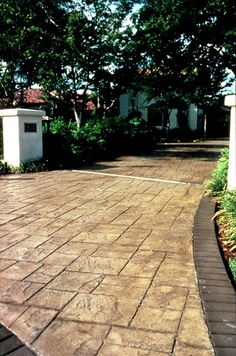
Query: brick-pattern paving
pixel 103 265
pixel 217 292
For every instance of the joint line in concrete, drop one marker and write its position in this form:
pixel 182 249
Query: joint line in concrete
pixel 134 177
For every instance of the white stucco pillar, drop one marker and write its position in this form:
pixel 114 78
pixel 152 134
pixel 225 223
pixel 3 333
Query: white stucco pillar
pixel 22 135
pixel 230 100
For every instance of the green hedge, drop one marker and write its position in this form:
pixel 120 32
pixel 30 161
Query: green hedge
pixel 67 146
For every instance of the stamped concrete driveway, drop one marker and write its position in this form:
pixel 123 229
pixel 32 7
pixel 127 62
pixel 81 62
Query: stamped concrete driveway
pixel 99 261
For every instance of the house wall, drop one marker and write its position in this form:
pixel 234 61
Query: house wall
pixel 138 102
pixel 193 117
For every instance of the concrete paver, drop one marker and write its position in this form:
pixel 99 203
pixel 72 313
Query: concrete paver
pixel 99 261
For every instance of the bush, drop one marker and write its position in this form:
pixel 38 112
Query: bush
pixel 99 138
pixel 218 182
pixel 32 166
pixel 5 168
pixel 226 212
pixel 25 167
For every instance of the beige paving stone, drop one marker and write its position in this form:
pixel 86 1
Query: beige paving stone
pixel 97 265
pixel 143 264
pixel 4 232
pixel 100 309
pixel 8 217
pixel 43 221
pixel 45 273
pixel 133 236
pixel 120 291
pixel 182 248
pixel 175 274
pixel 33 241
pixel 25 254
pixel 194 300
pixel 5 264
pixel 186 258
pixel 11 240
pixel 117 350
pixel 10 312
pixel 118 251
pixel 71 231
pixel 19 270
pixel 17 291
pixel 97 238
pixel 106 228
pixel 50 298
pixel 146 340
pixel 54 243
pixel 126 219
pixel 157 319
pixel 167 297
pixel 60 259
pixel 34 230
pixel 32 322
pixel 185 350
pixel 70 338
pixel 76 281
pixel 193 324
pixel 126 281
pixel 77 248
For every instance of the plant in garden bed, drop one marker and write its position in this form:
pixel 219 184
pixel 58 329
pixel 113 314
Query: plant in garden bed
pixel 225 216
pixel 30 166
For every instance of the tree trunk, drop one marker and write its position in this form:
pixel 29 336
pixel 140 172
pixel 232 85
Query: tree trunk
pixel 78 117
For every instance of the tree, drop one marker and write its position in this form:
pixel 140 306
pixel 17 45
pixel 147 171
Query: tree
pixel 185 49
pixel 67 47
pixel 92 52
pixel 30 36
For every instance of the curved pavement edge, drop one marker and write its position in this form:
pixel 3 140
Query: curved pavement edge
pixel 215 287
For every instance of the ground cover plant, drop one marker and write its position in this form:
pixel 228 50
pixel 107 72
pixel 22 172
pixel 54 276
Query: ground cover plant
pixel 25 167
pixel 226 210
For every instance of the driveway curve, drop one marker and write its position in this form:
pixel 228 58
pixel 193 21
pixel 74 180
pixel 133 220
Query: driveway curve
pixel 99 261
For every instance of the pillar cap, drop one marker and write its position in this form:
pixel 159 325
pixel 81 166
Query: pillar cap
pixel 230 100
pixel 21 112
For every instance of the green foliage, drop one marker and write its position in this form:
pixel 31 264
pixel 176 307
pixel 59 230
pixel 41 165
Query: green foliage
pixel 185 48
pixel 32 166
pixel 25 167
pixel 5 168
pixel 232 264
pixel 99 138
pixel 227 217
pixel 218 182
pixel 226 213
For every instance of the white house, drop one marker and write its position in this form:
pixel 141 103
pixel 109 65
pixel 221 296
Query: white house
pixel 137 102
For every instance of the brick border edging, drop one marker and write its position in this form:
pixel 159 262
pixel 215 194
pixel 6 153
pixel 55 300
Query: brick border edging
pixel 11 345
pixel 215 287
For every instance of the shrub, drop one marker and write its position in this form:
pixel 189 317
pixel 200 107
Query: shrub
pixel 32 166
pixel 5 168
pixel 99 138
pixel 218 181
pixel 226 212
pixel 25 167
pixel 232 264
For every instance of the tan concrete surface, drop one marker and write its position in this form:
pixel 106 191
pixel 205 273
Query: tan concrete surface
pixel 99 261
